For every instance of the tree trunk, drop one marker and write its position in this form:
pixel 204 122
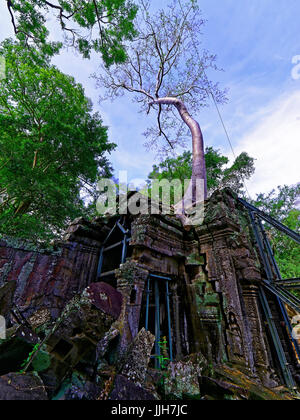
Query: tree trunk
pixel 199 167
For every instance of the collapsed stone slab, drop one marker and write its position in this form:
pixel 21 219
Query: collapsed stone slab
pixel 182 378
pixel 106 298
pixel 126 390
pixel 19 387
pixel 138 357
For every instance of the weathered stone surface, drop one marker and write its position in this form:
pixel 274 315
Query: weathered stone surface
pixel 214 275
pixel 7 291
pixel 106 298
pixel 40 317
pixel 78 389
pixel 128 274
pixel 85 233
pixel 125 390
pixel 104 343
pixel 153 233
pixel 245 387
pixel 27 334
pixel 193 379
pixel 48 279
pixel 182 378
pixel 19 387
pixel 80 329
pixel 232 267
pixel 131 279
pixel 136 364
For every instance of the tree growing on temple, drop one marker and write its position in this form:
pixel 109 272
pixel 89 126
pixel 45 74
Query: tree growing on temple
pixel 87 25
pixel 51 146
pixel 166 73
pixel 219 174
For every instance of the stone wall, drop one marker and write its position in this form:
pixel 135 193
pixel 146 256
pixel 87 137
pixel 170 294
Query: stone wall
pixel 49 278
pixel 214 276
pixel 234 273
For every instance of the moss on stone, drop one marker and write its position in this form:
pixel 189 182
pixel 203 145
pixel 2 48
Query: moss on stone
pixel 28 246
pixel 41 362
pixel 195 259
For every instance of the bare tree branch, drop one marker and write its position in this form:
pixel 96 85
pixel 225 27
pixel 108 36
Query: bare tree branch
pixel 161 132
pixel 166 67
pixel 9 6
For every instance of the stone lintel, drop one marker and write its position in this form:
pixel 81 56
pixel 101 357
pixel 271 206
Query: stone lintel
pixel 130 273
pixel 219 227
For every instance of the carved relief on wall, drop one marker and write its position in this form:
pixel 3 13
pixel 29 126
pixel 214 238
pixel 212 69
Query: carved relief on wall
pixel 235 339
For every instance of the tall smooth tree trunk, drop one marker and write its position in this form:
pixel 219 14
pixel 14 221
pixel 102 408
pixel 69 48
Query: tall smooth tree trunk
pixel 199 167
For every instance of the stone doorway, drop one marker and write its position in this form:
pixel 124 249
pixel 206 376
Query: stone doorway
pixel 164 314
pixel 156 317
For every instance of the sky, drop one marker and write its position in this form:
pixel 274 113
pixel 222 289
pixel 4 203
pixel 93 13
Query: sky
pixel 257 45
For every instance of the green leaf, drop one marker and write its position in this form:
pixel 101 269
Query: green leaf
pixel 51 145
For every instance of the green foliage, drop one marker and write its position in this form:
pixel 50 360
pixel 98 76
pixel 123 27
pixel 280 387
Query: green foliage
pixel 41 362
pixel 111 20
pixel 217 175
pixel 173 168
pixel 25 363
pixel 163 358
pixel 51 146
pixel 214 168
pixel 282 206
pixel 234 176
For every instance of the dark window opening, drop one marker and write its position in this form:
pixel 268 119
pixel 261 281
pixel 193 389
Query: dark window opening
pixel 109 279
pixel 113 253
pixel 62 349
pixel 133 297
pixel 77 331
pixel 13 353
pixel 111 259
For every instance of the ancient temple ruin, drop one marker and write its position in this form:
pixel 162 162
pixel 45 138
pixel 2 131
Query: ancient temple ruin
pixel 140 308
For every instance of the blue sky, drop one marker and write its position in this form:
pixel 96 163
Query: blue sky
pixel 255 41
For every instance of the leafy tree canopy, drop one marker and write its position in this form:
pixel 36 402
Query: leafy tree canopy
pixel 51 146
pixel 99 25
pixel 218 174
pixel 283 207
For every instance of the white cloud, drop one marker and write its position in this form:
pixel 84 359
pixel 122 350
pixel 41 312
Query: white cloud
pixel 136 161
pixel 275 143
